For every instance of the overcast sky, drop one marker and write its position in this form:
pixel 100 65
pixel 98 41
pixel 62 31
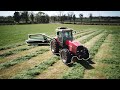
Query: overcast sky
pixel 85 13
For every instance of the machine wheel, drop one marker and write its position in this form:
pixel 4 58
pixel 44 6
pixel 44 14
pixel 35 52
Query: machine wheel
pixel 65 56
pixel 85 53
pixel 54 46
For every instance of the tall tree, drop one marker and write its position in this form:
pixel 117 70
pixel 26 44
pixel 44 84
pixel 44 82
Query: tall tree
pixel 16 17
pixel 74 17
pixel 25 16
pixel 63 18
pixel 70 15
pixel 41 17
pixel 32 17
pixel 47 19
pixel 60 14
pixel 81 17
pixel 90 17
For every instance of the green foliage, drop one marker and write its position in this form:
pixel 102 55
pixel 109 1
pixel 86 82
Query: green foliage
pixel 17 16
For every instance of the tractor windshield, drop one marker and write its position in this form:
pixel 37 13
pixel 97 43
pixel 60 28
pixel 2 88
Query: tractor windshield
pixel 68 34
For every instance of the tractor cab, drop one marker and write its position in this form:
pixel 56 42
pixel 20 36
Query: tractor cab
pixel 64 34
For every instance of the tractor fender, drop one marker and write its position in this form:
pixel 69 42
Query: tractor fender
pixel 72 45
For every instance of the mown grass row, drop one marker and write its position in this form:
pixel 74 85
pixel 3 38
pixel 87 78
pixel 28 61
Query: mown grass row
pixel 81 31
pixel 93 50
pixel 11 46
pixel 21 59
pixel 83 34
pixel 112 71
pixel 90 37
pixel 31 73
pixel 14 51
pixel 77 70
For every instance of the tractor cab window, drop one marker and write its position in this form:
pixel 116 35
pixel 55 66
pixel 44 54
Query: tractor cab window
pixel 59 36
pixel 68 34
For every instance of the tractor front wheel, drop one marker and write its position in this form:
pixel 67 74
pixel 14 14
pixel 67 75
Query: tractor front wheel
pixel 65 56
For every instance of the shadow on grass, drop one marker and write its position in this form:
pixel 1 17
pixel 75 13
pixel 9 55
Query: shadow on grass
pixel 84 63
pixel 38 44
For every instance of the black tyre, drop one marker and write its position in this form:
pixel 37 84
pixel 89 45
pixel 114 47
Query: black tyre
pixel 85 53
pixel 65 56
pixel 54 46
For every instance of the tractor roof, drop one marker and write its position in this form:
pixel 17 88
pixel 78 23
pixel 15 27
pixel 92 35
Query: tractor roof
pixel 64 29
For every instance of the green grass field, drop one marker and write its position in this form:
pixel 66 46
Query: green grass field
pixel 17 60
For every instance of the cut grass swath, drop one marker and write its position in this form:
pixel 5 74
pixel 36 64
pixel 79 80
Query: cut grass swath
pixel 11 46
pixel 93 50
pixel 31 73
pixel 112 71
pixel 75 72
pixel 21 59
pixel 90 37
pixel 14 51
pixel 83 34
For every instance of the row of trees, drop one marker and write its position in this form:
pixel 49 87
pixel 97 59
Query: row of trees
pixel 41 17
pixel 69 17
pixel 29 17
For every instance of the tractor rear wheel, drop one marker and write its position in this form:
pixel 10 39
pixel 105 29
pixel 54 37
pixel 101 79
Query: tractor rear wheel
pixel 54 46
pixel 65 56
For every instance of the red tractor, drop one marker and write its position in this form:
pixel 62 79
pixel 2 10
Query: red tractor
pixel 66 47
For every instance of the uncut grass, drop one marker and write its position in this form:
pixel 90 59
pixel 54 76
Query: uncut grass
pixel 21 59
pixel 11 34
